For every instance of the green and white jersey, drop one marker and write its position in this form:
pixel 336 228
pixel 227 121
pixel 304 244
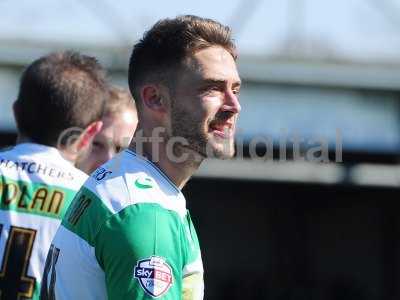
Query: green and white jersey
pixel 127 235
pixel 37 185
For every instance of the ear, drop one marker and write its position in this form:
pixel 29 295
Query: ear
pixel 153 98
pixel 88 134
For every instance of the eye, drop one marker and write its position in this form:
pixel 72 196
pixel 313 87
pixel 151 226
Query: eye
pixel 212 89
pixel 236 91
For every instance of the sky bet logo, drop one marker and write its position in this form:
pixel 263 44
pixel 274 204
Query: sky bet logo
pixel 154 276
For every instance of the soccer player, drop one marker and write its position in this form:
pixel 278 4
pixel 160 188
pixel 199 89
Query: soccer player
pixel 128 234
pixel 119 124
pixel 38 179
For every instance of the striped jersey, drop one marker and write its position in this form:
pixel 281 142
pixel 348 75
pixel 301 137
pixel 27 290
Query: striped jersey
pixel 127 235
pixel 37 185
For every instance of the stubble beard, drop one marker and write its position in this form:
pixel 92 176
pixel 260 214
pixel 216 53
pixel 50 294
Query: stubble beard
pixel 192 130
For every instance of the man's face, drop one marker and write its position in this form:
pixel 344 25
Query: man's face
pixel 114 136
pixel 205 103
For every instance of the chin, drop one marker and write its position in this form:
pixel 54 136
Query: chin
pixel 222 155
pixel 221 150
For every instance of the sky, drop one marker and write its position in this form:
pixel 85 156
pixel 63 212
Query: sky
pixel 361 30
pixel 348 30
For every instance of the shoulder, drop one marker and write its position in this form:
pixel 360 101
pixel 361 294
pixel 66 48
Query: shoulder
pixel 74 177
pixel 7 153
pixel 6 149
pixel 140 228
pixel 46 166
pixel 123 190
pixel 126 180
pixel 90 216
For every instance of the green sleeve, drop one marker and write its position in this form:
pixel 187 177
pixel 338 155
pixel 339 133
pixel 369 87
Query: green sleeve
pixel 141 250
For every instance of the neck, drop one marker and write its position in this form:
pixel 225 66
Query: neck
pixel 67 153
pixel 177 169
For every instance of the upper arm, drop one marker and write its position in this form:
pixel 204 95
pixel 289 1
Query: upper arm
pixel 140 252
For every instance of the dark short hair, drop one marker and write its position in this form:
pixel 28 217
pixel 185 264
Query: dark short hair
pixel 120 99
pixel 163 48
pixel 59 91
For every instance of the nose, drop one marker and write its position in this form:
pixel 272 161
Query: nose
pixel 231 102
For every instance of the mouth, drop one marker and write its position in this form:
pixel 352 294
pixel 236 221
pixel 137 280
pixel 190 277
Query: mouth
pixel 222 129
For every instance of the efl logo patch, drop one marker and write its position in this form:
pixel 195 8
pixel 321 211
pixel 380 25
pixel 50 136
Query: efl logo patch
pixel 154 275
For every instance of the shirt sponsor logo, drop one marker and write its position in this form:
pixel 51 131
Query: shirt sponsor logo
pixel 35 168
pixel 154 276
pixel 144 183
pixel 35 198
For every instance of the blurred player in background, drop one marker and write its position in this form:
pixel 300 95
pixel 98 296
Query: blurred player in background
pixel 128 234
pixel 119 124
pixel 38 179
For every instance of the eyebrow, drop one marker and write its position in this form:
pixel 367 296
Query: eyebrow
pixel 219 82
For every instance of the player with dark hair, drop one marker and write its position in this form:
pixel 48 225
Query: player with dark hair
pixel 57 92
pixel 119 124
pixel 128 229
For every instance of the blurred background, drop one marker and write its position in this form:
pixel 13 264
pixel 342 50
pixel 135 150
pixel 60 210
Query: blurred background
pixel 308 208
